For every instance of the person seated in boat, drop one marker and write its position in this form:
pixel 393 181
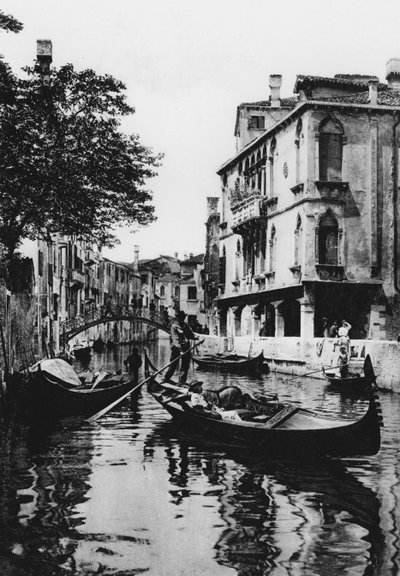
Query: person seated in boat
pixel 343 361
pixel 198 401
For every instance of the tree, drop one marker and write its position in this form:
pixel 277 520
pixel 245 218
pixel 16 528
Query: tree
pixel 65 165
pixel 9 23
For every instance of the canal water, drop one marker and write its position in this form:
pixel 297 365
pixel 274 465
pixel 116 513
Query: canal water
pixel 133 495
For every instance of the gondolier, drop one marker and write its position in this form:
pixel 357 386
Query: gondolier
pixel 181 334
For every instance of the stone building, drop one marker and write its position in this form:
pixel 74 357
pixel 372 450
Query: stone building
pixel 191 298
pixel 310 210
pixel 211 264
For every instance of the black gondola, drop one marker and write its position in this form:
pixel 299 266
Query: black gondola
pixel 273 428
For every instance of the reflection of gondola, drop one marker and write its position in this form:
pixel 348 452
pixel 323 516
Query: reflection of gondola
pixel 230 363
pixel 353 382
pixel 52 388
pixel 273 428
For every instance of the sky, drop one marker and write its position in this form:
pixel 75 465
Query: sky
pixel 187 65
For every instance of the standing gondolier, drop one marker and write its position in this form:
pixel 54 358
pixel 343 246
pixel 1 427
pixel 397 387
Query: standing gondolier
pixel 181 334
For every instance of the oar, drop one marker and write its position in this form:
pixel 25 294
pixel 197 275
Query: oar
pixel 116 402
pixel 315 371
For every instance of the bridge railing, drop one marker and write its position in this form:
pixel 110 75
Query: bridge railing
pixel 111 313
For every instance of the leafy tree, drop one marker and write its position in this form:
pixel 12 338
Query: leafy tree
pixel 65 165
pixel 9 23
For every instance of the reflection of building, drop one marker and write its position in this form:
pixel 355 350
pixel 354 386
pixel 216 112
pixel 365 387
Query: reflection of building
pixel 309 210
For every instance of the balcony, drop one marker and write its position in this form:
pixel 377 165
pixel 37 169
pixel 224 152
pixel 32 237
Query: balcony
pixel 269 205
pixel 246 215
pixel 330 272
pixel 76 278
pixel 335 191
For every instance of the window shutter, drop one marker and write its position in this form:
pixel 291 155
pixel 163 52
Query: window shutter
pixel 323 156
pixel 335 157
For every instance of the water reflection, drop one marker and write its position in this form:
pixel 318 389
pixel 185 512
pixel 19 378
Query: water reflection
pixel 135 495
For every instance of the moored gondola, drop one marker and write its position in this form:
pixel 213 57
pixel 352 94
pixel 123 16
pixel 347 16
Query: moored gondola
pixel 272 428
pixel 230 363
pixel 52 389
pixel 353 383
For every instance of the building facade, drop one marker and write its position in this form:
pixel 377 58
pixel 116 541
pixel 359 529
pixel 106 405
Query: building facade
pixel 309 210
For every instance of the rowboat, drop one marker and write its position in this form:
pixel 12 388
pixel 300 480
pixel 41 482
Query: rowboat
pixel 230 363
pixel 353 382
pixel 271 427
pixel 52 388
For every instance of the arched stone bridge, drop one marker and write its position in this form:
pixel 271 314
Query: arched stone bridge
pixel 103 314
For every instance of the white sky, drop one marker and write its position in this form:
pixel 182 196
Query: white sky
pixel 188 64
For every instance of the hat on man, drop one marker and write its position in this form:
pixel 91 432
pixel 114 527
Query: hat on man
pixel 181 314
pixel 195 385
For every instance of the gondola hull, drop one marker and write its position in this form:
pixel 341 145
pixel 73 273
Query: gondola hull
pixel 37 396
pixel 355 383
pixel 233 363
pixel 292 431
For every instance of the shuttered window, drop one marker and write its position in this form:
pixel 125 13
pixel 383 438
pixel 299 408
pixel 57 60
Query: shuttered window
pixel 330 153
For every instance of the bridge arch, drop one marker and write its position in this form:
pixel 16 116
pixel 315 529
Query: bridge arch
pixel 104 314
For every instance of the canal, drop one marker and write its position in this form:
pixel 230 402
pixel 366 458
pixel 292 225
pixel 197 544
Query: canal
pixel 133 495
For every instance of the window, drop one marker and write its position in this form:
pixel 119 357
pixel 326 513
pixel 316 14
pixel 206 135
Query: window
pixel 40 263
pixel 222 267
pixel 162 291
pixel 192 293
pixel 328 240
pixel 263 248
pixel 272 249
pixel 330 151
pixel 177 291
pixel 298 241
pixel 256 123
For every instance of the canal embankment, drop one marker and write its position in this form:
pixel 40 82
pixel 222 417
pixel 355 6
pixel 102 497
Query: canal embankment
pixel 297 356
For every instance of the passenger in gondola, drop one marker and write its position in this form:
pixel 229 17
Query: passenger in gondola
pixel 199 402
pixel 333 330
pixel 133 363
pixel 343 361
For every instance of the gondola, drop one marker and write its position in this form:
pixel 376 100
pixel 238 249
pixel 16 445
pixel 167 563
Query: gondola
pixel 52 389
pixel 272 428
pixel 230 363
pixel 353 382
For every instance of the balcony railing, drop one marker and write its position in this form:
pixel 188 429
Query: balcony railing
pixel 246 214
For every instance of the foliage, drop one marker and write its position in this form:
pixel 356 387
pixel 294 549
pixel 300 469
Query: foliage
pixel 241 192
pixel 65 164
pixel 9 23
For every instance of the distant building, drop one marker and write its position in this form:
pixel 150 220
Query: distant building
pixel 310 212
pixel 191 298
pixel 212 264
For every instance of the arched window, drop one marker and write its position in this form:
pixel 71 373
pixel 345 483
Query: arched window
pixel 328 234
pixel 222 268
pixel 272 249
pixel 162 291
pixel 298 235
pixel 330 151
pixel 237 260
pixel 263 248
pixel 272 155
pixel 299 128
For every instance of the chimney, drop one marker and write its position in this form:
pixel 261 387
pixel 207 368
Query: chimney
pixel 191 255
pixel 275 83
pixel 44 55
pixel 136 258
pixel 212 205
pixel 393 72
pixel 373 92
pixel 176 255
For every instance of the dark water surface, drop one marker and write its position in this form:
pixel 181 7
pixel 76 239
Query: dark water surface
pixel 132 495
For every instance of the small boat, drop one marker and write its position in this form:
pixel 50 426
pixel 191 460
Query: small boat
pixel 231 363
pixel 353 382
pixel 53 389
pixel 270 427
pixel 81 349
